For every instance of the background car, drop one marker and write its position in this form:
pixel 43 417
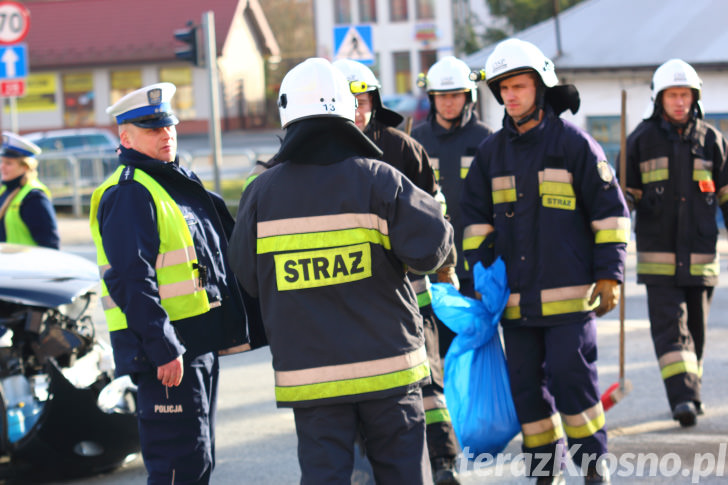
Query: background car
pixel 81 139
pixel 408 105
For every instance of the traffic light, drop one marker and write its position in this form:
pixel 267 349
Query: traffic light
pixel 189 35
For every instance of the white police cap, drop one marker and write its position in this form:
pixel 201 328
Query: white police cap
pixel 148 107
pixel 15 146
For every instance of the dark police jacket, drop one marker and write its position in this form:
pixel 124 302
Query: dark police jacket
pixel 128 225
pixel 678 179
pixel 323 240
pixel 37 213
pixel 451 152
pixel 551 203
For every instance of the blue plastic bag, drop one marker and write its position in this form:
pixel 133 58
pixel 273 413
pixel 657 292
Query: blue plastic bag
pixel 477 389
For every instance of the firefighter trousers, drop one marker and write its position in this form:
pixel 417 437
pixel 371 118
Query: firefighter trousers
pixel 678 322
pixel 553 377
pixel 441 439
pixel 393 429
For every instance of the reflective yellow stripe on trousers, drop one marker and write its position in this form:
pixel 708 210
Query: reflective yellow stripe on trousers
pixel 542 432
pixel 436 410
pixel 352 379
pixel 585 423
pixel 679 362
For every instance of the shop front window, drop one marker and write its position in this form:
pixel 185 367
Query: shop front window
pixel 78 99
pixel 183 101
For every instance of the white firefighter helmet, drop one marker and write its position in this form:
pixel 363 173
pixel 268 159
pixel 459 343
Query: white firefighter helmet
pixel 362 80
pixel 675 73
pixel 356 72
pixel 514 56
pixel 450 74
pixel 315 88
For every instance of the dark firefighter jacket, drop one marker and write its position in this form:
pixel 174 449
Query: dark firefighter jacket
pixel 409 157
pixel 677 181
pixel 128 225
pixel 451 153
pixel 403 153
pixel 552 205
pixel 323 239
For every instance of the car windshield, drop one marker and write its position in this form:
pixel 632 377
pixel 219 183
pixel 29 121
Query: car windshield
pixel 80 141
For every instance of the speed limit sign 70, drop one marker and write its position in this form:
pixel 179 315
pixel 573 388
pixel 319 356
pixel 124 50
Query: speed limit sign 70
pixel 14 22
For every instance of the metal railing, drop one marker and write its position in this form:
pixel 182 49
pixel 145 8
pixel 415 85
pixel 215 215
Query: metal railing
pixel 72 176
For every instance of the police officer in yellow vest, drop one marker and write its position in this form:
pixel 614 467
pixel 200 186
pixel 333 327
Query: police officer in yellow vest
pixel 169 296
pixel 26 213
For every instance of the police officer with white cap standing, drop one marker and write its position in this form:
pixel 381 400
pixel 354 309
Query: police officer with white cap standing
pixel 26 213
pixel 169 296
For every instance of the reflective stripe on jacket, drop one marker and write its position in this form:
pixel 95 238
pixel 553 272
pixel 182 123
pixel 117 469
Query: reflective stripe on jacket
pixel 558 217
pixel 678 181
pixel 16 230
pixel 176 267
pixel 340 314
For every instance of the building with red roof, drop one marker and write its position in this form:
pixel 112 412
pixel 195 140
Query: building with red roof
pixel 85 54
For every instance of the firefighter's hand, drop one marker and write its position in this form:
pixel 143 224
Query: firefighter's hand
pixel 171 373
pixel 447 274
pixel 608 293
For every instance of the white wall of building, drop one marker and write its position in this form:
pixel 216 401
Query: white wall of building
pixel 600 94
pixel 389 37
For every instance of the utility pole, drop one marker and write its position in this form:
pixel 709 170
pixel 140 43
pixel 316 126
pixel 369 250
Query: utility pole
pixel 558 29
pixel 208 28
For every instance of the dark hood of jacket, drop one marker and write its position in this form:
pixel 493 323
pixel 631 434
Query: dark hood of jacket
pixel 322 141
pixel 383 114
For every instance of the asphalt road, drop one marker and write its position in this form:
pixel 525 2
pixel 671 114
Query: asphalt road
pixel 256 442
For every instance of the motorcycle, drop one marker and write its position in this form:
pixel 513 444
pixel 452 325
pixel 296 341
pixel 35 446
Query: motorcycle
pixel 62 413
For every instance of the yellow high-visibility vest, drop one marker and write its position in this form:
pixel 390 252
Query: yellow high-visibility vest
pixel 16 231
pixel 177 275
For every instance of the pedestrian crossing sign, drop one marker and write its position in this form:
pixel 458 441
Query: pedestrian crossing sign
pixel 354 42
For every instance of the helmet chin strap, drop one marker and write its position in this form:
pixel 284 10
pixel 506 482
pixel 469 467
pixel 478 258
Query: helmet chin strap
pixel 540 95
pixel 457 120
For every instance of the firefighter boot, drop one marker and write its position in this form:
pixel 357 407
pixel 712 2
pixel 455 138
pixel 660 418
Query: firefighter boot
pixel 686 413
pixel 444 472
pixel 597 473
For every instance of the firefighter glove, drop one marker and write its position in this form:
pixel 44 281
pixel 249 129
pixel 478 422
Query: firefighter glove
pixel 447 274
pixel 608 293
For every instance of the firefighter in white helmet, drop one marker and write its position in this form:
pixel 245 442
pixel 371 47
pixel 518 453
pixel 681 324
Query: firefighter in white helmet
pixel 451 135
pixel 541 196
pixel 324 238
pixel 677 177
pixel 409 157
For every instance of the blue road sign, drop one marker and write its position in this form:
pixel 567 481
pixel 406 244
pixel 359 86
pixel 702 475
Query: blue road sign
pixel 354 42
pixel 13 61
